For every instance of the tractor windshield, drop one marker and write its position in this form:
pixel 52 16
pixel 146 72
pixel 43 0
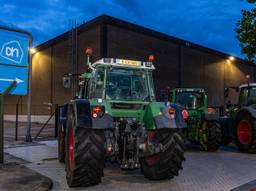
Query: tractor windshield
pixel 189 100
pixel 247 96
pixel 128 84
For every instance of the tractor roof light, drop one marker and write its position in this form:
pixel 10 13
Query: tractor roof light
pixel 88 51
pixel 151 58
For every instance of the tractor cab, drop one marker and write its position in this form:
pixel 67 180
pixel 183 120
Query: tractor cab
pixel 124 87
pixel 239 122
pixel 121 80
pixel 190 99
pixel 247 95
pixel 203 128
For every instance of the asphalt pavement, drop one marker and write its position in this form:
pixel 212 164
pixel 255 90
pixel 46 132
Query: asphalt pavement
pixel 223 170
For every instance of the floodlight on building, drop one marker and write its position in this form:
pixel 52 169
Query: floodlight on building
pixel 32 50
pixel 247 76
pixel 231 58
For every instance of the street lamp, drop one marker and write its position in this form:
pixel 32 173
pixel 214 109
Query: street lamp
pixel 32 51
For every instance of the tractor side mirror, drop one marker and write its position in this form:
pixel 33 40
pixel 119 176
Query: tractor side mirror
pixel 66 81
pixel 226 92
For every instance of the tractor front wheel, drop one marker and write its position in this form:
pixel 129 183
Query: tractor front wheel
pixel 165 165
pixel 213 136
pixel 245 132
pixel 85 154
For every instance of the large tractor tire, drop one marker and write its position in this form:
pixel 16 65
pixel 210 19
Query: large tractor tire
pixel 85 154
pixel 165 165
pixel 213 136
pixel 245 132
pixel 61 144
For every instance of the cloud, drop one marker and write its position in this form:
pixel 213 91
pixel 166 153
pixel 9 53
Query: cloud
pixel 206 22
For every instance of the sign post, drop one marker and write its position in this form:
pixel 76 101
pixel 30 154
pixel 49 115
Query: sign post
pixel 1 128
pixel 28 136
pixel 2 119
pixel 15 72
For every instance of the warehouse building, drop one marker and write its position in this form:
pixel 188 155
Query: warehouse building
pixel 178 63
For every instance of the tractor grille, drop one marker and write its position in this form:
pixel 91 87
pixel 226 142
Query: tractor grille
pixel 126 106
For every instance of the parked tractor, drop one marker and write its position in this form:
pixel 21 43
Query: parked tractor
pixel 239 123
pixel 202 122
pixel 116 118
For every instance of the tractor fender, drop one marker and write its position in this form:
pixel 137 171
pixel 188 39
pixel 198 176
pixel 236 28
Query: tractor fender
pixel 82 112
pixel 104 122
pixel 249 110
pixel 84 119
pixel 165 121
pixel 62 115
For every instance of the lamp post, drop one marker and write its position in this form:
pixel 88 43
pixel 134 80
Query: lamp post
pixel 224 84
pixel 229 60
pixel 31 53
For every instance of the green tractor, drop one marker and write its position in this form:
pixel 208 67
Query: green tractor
pixel 202 122
pixel 116 118
pixel 239 122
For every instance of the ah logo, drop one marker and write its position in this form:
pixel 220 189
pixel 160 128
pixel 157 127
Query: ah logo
pixel 12 51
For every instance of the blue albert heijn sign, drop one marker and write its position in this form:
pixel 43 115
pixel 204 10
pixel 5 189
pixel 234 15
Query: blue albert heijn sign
pixel 14 51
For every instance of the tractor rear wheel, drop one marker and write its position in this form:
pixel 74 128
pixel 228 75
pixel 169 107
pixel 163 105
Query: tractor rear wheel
pixel 85 154
pixel 245 132
pixel 165 165
pixel 61 144
pixel 213 136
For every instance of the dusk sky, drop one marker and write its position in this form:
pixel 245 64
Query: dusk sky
pixel 209 23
